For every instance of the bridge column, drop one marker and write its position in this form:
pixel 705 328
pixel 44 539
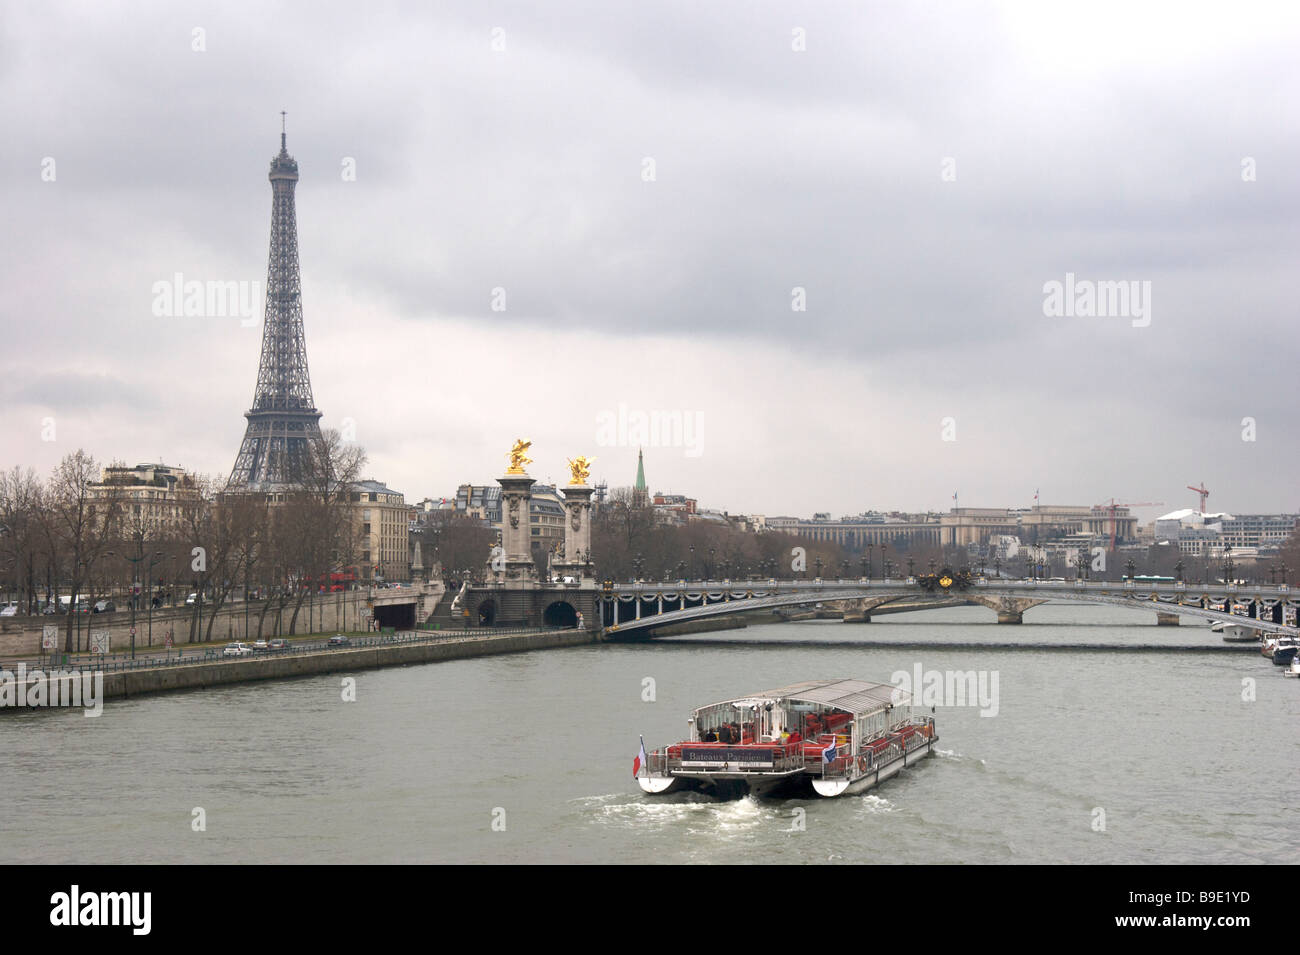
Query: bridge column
pixel 516 533
pixel 1009 609
pixel 577 529
pixel 1166 619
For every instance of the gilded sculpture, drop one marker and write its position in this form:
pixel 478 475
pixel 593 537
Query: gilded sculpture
pixel 517 458
pixel 580 468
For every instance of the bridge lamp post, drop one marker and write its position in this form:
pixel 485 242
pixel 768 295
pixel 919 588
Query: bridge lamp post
pixel 712 550
pixel 818 564
pixel 863 562
pixel 692 550
pixel 1130 566
pixel 911 563
pixel 1178 569
pixel 1282 572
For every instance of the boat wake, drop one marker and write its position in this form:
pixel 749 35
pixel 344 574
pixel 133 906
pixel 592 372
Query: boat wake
pixel 953 756
pixel 700 814
pixel 873 805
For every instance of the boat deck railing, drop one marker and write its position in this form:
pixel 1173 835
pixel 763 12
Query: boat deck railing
pixel 792 758
pixel 789 760
pixel 899 746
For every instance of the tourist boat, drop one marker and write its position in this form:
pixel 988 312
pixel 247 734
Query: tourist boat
pixel 1294 668
pixel 830 736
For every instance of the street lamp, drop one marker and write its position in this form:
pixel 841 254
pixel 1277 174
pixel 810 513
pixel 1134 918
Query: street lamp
pixel 156 559
pixel 135 561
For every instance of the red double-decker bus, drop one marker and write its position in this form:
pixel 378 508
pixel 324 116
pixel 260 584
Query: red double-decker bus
pixel 335 582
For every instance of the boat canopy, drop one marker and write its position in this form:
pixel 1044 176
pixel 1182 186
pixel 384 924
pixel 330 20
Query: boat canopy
pixel 853 696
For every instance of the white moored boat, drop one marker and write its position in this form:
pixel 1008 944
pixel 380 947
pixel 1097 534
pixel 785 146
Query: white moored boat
pixel 833 736
pixel 1235 632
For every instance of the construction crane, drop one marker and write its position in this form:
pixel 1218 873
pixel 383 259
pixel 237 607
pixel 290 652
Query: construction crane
pixel 1201 491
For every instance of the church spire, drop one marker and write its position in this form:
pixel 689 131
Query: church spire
pixel 640 493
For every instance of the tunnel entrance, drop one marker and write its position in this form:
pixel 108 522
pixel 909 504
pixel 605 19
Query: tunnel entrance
pixel 487 613
pixel 560 614
pixel 397 616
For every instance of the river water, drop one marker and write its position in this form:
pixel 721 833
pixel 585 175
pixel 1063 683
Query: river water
pixel 1104 748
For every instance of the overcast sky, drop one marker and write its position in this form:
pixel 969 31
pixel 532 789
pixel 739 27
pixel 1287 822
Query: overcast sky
pixel 920 170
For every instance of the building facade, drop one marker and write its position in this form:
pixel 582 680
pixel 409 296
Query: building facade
pixel 383 524
pixel 156 499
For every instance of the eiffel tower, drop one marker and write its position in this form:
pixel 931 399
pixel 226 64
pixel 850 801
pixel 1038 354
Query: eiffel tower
pixel 283 419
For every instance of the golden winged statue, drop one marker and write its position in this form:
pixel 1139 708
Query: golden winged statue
pixel 580 468
pixel 517 458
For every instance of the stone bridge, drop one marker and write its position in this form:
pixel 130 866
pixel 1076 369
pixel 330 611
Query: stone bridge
pixel 637 608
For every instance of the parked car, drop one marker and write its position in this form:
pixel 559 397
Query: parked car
pixel 189 601
pixel 260 645
pixel 105 606
pixel 279 643
pixel 9 610
pixel 237 650
pixel 338 640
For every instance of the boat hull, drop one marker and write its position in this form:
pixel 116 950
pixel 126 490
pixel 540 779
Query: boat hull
pixel 830 788
pixel 737 785
pixel 655 785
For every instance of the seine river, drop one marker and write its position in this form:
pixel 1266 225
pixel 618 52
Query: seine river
pixel 1103 749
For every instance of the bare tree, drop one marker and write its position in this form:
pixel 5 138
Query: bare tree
pixel 21 500
pixel 83 520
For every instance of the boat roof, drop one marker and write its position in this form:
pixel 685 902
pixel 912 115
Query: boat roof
pixel 855 696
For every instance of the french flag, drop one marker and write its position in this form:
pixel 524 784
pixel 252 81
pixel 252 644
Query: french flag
pixel 639 761
pixel 831 752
